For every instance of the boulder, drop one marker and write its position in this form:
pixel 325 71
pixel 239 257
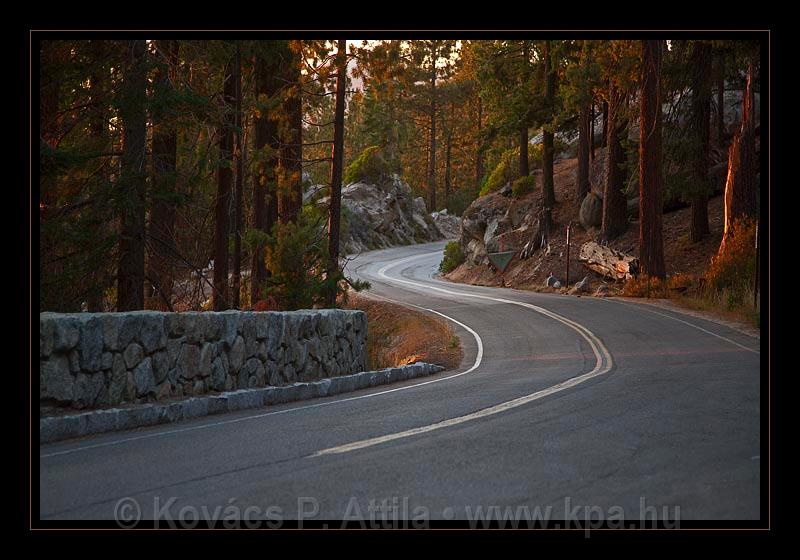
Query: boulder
pixel 580 287
pixel 591 212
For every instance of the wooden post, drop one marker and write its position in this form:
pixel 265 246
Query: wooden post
pixel 566 276
pixel 758 265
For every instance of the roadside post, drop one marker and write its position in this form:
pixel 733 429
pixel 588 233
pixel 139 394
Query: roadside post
pixel 566 274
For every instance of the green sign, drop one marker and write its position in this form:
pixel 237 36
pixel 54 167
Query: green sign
pixel 501 260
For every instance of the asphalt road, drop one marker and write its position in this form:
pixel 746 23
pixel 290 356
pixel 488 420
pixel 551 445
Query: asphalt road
pixel 563 407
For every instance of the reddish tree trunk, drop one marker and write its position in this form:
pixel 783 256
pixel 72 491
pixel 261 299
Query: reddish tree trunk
pixel 740 191
pixel 615 219
pixel 582 183
pixel 548 192
pixel 651 245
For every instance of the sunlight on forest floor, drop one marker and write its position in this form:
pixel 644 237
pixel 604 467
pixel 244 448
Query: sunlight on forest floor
pixel 398 335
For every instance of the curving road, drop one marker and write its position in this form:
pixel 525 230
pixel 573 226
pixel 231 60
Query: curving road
pixel 563 406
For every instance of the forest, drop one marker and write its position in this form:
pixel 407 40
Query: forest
pixel 184 174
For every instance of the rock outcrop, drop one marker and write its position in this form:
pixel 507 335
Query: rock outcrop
pixel 494 223
pixel 376 216
pixel 449 225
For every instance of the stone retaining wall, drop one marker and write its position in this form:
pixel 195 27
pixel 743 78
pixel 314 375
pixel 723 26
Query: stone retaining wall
pixel 57 428
pixel 90 360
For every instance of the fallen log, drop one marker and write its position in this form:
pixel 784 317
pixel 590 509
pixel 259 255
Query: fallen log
pixel 608 262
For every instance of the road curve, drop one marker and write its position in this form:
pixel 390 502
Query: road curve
pixel 560 402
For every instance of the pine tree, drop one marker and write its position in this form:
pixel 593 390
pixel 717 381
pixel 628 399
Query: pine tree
pixel 615 219
pixel 336 173
pixel 133 179
pixel 740 186
pixel 222 228
pixel 700 68
pixel 651 246
pixel 165 145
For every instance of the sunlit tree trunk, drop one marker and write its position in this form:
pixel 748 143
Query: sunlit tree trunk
pixel 740 188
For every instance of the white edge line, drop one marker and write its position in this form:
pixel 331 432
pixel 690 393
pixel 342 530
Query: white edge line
pixel 726 339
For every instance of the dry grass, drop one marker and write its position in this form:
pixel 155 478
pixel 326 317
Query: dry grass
pixel 398 335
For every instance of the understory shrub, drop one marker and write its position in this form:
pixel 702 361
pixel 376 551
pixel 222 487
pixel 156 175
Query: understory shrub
pixel 369 166
pixel 453 257
pixel 523 186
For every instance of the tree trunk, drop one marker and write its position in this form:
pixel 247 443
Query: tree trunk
pixel 239 152
pixel 265 202
pixel 432 154
pixel 582 183
pixel 701 130
pixel 548 193
pixel 447 162
pixel 524 169
pixel 165 147
pixel 740 191
pixel 591 135
pixel 480 161
pixel 720 77
pixel 220 296
pixel 605 125
pixel 336 172
pixel 290 187
pixel 651 245
pixel 133 179
pixel 615 206
pixel 98 129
